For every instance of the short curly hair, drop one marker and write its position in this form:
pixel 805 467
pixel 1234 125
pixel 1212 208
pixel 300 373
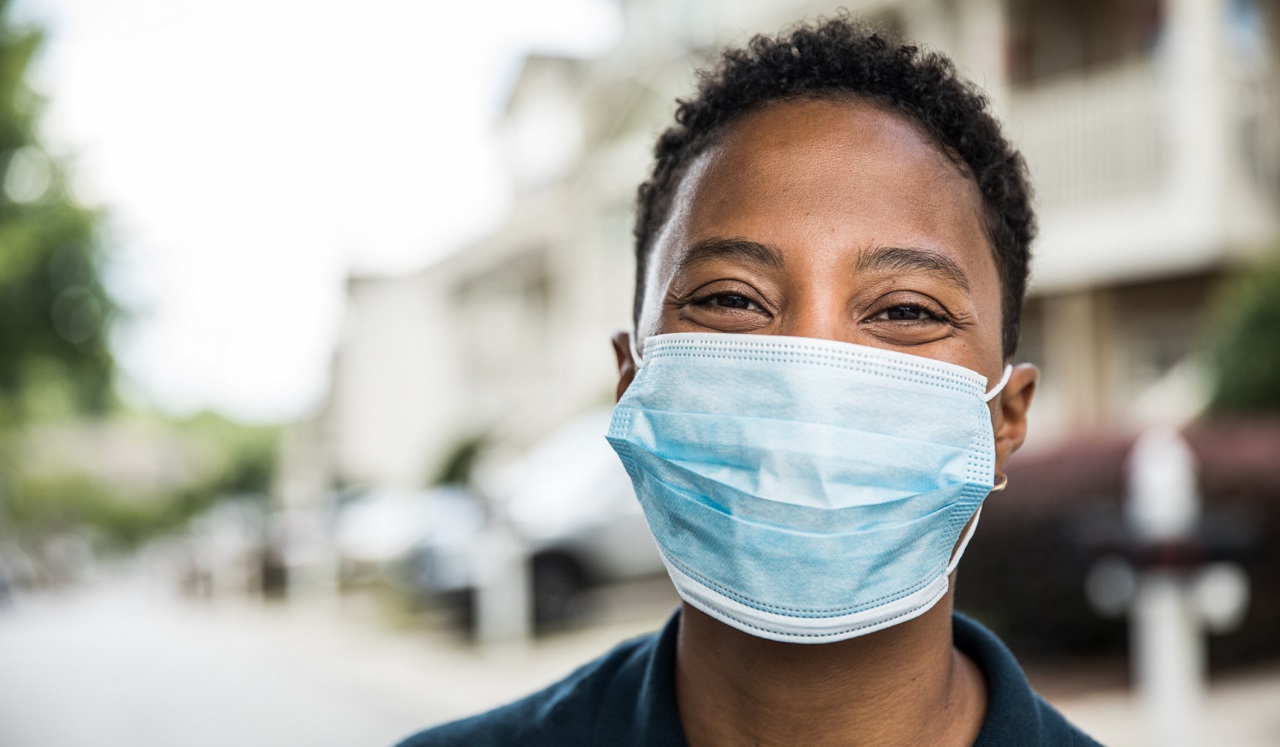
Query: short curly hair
pixel 844 58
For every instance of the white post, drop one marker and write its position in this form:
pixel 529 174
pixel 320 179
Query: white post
pixel 1168 649
pixel 502 602
pixel 1169 658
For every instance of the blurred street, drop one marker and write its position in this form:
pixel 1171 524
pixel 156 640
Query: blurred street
pixel 127 663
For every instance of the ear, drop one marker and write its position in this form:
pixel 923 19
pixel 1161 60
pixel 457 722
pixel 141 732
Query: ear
pixel 626 364
pixel 1014 403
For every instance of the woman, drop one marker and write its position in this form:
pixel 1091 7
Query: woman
pixel 832 251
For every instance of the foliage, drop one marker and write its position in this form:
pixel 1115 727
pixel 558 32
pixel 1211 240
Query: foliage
pixel 1245 347
pixel 55 364
pixel 249 452
pixel 54 310
pixel 460 463
pixel 42 505
pixel 46 506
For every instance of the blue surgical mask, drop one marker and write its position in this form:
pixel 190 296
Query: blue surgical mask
pixel 805 490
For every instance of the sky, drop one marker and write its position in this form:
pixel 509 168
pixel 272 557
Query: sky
pixel 249 154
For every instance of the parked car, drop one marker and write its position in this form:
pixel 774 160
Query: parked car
pixel 376 530
pixel 570 503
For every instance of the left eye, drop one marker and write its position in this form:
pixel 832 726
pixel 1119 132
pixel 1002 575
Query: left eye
pixel 729 301
pixel 905 313
pixel 732 301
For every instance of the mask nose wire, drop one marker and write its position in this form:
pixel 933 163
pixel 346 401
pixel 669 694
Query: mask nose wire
pixel 1004 379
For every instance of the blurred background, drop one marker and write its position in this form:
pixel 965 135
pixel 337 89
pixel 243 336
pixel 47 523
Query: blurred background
pixel 304 361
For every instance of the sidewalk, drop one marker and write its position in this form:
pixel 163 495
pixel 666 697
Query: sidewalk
pixel 127 664
pixel 1239 711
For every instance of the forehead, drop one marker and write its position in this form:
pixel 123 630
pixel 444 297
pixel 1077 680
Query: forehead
pixel 830 174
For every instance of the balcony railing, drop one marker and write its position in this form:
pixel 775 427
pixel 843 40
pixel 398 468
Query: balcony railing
pixel 1258 120
pixel 1092 136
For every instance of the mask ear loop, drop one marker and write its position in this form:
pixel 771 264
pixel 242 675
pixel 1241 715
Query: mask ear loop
pixel 973 527
pixel 635 354
pixel 1004 379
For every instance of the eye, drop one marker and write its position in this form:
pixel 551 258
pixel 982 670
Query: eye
pixel 906 312
pixel 726 307
pixel 907 318
pixel 729 301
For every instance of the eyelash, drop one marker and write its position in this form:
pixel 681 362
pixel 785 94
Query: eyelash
pixel 930 316
pixel 710 299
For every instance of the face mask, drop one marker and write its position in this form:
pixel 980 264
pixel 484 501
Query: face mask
pixel 800 489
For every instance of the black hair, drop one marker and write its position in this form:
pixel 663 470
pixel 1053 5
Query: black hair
pixel 843 58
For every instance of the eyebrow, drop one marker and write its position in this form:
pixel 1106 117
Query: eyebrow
pixel 911 259
pixel 737 249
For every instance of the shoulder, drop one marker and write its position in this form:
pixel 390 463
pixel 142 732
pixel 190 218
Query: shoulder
pixel 564 714
pixel 1016 715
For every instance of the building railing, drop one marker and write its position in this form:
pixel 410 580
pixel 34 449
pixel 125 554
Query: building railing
pixel 1258 120
pixel 1106 134
pixel 1092 136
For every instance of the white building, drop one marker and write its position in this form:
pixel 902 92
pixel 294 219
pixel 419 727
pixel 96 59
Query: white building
pixel 1151 131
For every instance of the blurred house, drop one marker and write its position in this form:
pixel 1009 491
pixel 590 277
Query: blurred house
pixel 1151 128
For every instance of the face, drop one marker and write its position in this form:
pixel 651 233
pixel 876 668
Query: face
pixel 836 220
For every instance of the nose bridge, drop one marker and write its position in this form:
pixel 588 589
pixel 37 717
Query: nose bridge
pixel 815 309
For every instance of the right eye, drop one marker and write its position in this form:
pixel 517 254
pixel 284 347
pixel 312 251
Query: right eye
pixel 726 307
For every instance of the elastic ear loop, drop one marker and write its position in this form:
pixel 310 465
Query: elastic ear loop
pixel 973 526
pixel 1004 379
pixel 968 535
pixel 635 355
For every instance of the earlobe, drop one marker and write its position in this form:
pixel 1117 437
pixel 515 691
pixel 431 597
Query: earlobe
pixel 626 365
pixel 1015 403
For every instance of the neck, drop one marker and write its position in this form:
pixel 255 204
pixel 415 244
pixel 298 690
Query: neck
pixel 902 685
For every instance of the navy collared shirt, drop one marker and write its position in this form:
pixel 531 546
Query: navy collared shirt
pixel 626 698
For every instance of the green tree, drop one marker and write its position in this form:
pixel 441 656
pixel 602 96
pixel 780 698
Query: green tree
pixel 1245 345
pixel 54 310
